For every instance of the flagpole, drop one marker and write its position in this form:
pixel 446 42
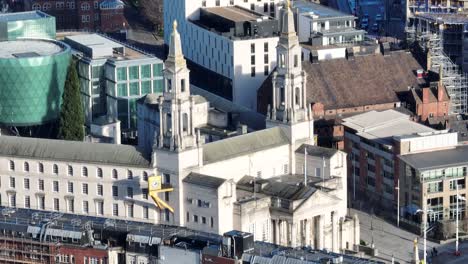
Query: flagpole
pixel 305 165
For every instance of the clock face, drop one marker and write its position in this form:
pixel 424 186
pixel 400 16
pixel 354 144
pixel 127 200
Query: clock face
pixel 154 184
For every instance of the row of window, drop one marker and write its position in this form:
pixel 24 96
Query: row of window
pixel 70 171
pixel 252 5
pixel 87 18
pixel 62 5
pixel 70 206
pixel 137 72
pixel 84 188
pixel 199 219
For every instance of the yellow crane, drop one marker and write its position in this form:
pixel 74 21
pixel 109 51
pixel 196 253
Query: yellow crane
pixel 155 186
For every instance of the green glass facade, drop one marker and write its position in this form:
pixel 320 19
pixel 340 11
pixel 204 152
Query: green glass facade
pixel 31 88
pixel 34 24
pixel 133 82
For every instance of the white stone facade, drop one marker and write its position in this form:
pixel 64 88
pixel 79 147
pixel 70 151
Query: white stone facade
pixel 49 186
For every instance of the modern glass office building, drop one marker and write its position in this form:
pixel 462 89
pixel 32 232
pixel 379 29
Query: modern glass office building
pixel 113 77
pixel 32 78
pixel 35 24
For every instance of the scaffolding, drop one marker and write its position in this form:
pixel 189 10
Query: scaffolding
pixel 454 80
pixel 429 37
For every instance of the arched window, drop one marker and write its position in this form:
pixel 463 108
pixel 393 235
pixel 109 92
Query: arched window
pixel 99 173
pixel 281 102
pixel 12 165
pixel 185 122
pixel 168 126
pixel 84 172
pixel 145 176
pixel 70 170
pixel 26 166
pixel 55 169
pixel 36 7
pixel 115 174
pixel 129 174
pixel 298 96
pixel 282 60
pixel 40 167
pixel 182 85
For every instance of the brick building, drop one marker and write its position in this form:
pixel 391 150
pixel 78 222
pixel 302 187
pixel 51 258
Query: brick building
pixel 374 142
pixel 93 15
pixel 430 104
pixel 339 88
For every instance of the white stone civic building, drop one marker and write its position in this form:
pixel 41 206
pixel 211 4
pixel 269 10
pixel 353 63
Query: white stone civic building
pixel 253 182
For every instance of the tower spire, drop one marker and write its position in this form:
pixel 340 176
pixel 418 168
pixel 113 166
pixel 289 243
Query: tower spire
pixel 175 57
pixel 287 27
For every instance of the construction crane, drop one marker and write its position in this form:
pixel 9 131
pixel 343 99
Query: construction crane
pixel 155 186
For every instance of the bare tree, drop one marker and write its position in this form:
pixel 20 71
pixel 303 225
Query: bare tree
pixel 153 12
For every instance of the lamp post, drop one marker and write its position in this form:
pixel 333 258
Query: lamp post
pixel 354 175
pixel 424 212
pixel 398 202
pixel 458 197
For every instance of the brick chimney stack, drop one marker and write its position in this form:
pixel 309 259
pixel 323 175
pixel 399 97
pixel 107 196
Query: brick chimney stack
pixel 425 95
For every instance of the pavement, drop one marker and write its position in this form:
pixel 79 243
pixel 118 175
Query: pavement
pixel 392 241
pixel 388 239
pixel 446 254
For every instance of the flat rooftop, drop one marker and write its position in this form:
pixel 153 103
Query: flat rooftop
pixel 102 47
pixel 29 48
pixel 234 13
pixel 383 126
pixel 438 159
pixel 319 10
pixel 20 16
pixel 445 18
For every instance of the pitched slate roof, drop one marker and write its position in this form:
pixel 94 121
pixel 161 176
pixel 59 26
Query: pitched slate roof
pixel 317 151
pixel 365 80
pixel 243 145
pixel 72 151
pixel 204 180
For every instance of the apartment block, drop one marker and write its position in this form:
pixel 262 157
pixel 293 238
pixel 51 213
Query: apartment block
pixel 236 58
pixel 322 26
pixel 430 180
pixel 374 142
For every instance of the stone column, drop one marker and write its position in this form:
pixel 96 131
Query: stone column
pixel 292 230
pixel 356 230
pixel 277 232
pixel 321 232
pixel 192 127
pixel 161 125
pixel 334 235
pixel 341 242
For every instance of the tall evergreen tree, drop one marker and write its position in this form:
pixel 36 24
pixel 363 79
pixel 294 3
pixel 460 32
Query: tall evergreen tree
pixel 71 123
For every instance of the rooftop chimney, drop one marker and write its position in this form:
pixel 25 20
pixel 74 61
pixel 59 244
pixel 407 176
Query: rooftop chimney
pixel 425 95
pixel 420 73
